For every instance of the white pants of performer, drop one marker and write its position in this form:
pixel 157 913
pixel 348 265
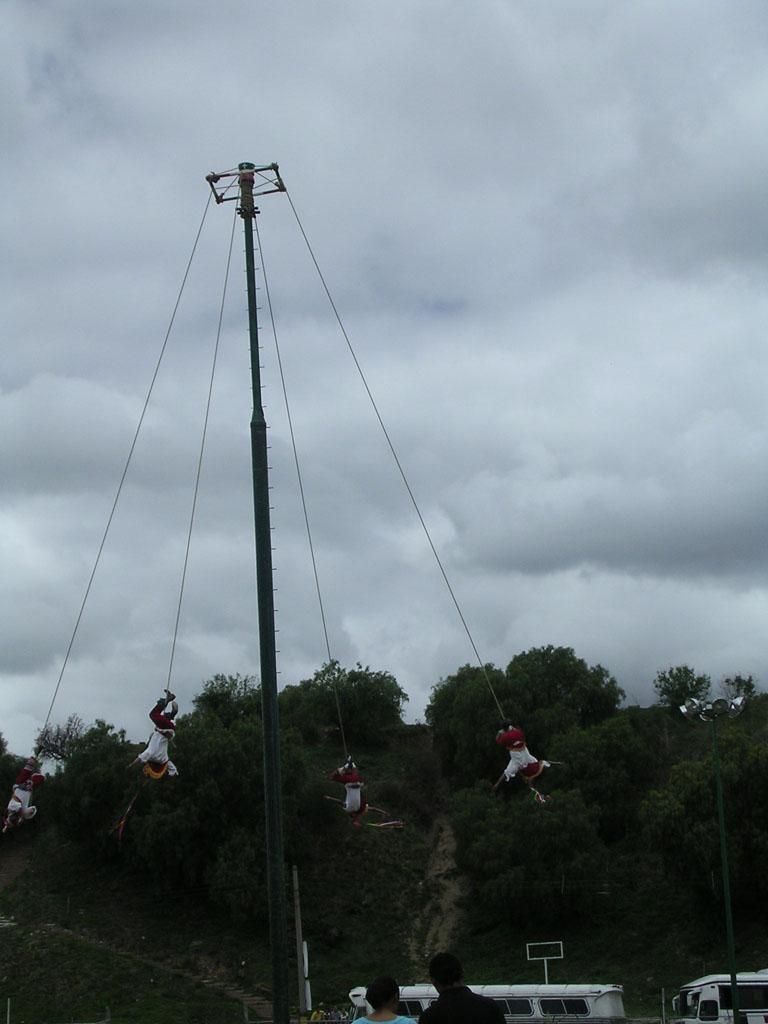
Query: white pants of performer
pixel 157 751
pixel 352 803
pixel 19 804
pixel 519 759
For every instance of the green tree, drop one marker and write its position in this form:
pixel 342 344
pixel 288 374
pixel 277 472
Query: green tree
pixel 673 685
pixel 229 697
pixel 555 689
pixel 464 721
pixel 369 703
pixel 613 765
pixel 544 861
pixel 738 686
pixel 680 819
pixel 8 764
pixel 547 691
pixel 187 828
pixel 56 742
pixel 87 795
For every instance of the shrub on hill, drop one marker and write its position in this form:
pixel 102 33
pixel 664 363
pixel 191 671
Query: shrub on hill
pixel 680 820
pixel 89 790
pixel 675 684
pixel 8 761
pixel 371 704
pixel 546 690
pixel 184 831
pixel 610 766
pixel 527 861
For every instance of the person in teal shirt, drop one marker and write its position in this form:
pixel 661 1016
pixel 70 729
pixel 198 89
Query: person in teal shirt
pixel 383 995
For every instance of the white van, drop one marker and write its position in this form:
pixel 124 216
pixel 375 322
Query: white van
pixel 709 998
pixel 520 1003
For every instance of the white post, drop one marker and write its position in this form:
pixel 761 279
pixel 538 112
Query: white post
pixel 8 1011
pixel 301 951
pixel 546 971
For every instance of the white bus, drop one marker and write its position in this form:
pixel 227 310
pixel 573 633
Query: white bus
pixel 709 998
pixel 520 1003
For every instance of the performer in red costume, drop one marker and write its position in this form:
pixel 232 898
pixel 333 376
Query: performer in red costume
pixel 354 801
pixel 521 760
pixel 154 757
pixel 19 810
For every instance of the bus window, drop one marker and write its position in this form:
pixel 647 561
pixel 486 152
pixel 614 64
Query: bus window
pixel 563 1007
pixel 552 1007
pixel 520 1007
pixel 751 997
pixel 692 1004
pixel 576 1006
pixel 409 1008
pixel 709 1009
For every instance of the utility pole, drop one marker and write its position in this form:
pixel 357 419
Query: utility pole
pixel 299 945
pixel 710 711
pixel 273 803
pixel 730 944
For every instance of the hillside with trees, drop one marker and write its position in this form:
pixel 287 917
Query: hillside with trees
pixel 622 862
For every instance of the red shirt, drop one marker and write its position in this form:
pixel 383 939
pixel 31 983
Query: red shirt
pixel 29 778
pixel 161 720
pixel 512 738
pixel 351 776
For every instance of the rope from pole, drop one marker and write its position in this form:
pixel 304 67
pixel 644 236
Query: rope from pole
pixel 395 456
pixel 294 447
pixel 127 464
pixel 202 451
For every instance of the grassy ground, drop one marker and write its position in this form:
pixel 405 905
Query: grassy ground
pixel 54 977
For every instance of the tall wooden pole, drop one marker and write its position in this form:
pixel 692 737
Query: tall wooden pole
pixel 278 929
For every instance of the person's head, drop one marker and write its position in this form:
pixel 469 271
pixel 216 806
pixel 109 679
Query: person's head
pixel 383 994
pixel 445 970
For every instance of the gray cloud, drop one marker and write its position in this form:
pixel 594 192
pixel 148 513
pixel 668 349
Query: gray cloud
pixel 544 228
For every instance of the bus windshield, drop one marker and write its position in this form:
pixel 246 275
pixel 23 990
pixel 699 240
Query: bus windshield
pixel 689 1004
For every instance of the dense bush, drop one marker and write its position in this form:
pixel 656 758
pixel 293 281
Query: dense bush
pixel 528 860
pixel 546 690
pixel 370 704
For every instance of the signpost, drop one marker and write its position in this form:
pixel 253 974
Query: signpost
pixel 545 951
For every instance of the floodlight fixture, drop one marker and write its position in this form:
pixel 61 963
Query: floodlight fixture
pixel 708 710
pixel 690 708
pixel 736 706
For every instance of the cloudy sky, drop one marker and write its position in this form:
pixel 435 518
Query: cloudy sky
pixel 544 225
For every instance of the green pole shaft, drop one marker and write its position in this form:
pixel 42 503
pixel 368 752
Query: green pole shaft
pixel 278 928
pixel 726 878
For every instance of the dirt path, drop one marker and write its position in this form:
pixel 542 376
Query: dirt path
pixel 435 926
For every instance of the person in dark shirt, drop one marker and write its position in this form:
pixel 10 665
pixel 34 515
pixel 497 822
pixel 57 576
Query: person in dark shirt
pixel 456 1004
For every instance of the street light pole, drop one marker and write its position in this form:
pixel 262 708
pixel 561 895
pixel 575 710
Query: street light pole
pixel 710 711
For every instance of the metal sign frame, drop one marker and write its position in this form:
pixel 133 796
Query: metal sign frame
pixel 546 957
